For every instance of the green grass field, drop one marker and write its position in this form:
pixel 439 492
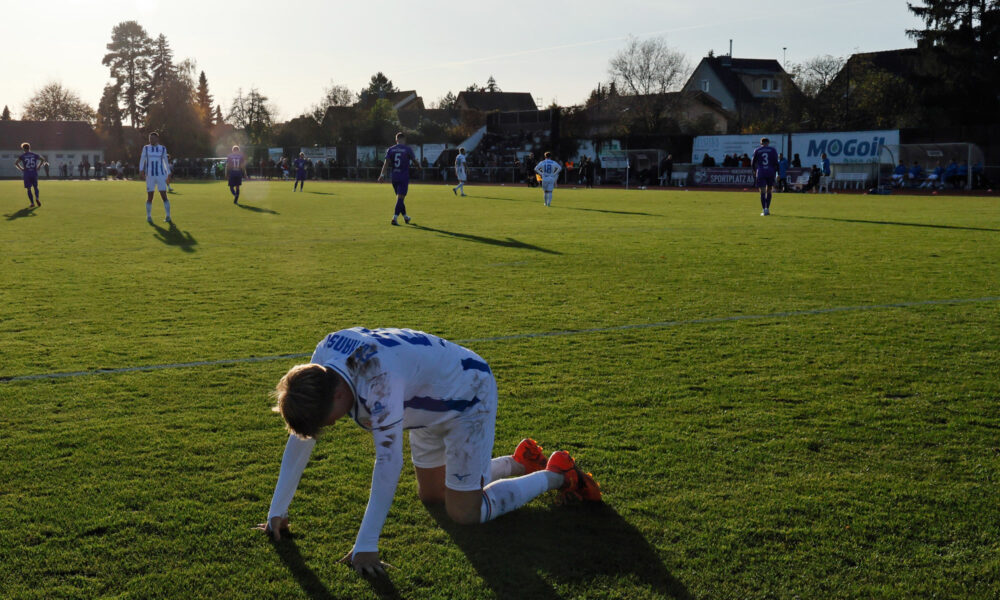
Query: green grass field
pixel 751 443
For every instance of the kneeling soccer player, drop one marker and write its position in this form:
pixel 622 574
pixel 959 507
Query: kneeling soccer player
pixel 389 380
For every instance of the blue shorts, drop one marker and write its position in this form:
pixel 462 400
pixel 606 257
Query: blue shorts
pixel 401 187
pixel 765 180
pixel 300 176
pixel 30 180
pixel 235 179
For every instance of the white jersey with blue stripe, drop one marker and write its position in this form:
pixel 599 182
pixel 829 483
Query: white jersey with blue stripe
pixel 154 161
pixel 403 375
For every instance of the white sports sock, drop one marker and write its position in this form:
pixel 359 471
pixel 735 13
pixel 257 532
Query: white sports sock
pixel 506 495
pixel 166 207
pixel 502 467
pixel 149 209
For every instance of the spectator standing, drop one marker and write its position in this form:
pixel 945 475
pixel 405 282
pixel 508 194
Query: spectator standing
pixel 796 162
pixel 825 182
pixel 667 168
pixel 782 173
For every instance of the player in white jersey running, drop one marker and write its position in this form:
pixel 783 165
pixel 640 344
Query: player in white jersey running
pixel 549 170
pixel 391 380
pixel 154 166
pixel 460 172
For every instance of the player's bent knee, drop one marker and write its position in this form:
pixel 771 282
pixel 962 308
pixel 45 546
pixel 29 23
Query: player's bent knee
pixel 463 515
pixel 464 507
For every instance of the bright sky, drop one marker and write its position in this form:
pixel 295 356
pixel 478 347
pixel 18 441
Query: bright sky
pixel 556 50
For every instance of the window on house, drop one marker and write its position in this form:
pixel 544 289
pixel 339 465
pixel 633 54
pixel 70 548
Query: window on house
pixel 764 84
pixel 704 85
pixel 775 85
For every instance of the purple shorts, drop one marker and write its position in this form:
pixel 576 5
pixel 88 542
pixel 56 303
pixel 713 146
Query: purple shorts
pixel 30 180
pixel 400 187
pixel 235 179
pixel 765 180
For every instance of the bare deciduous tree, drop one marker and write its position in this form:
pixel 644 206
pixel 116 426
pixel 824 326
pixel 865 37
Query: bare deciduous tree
pixel 252 113
pixel 648 70
pixel 815 75
pixel 56 103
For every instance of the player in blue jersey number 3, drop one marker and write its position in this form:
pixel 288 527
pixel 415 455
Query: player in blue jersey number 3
pixel 391 380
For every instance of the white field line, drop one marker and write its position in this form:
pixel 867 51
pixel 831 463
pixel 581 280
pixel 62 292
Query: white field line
pixel 522 336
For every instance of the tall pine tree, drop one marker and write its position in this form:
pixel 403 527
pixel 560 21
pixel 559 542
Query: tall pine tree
pixel 203 100
pixel 961 61
pixel 128 59
pixel 161 71
pixel 6 114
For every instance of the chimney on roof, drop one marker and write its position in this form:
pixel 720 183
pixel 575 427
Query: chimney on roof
pixel 730 48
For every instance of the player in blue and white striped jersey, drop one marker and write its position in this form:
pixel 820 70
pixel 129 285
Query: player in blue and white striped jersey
pixel 391 380
pixel 155 167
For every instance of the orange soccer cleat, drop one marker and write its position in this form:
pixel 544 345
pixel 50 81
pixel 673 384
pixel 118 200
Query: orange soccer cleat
pixel 530 454
pixel 579 485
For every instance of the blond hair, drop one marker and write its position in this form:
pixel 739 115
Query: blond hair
pixel 305 399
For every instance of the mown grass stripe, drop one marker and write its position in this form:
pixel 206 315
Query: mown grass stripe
pixel 520 336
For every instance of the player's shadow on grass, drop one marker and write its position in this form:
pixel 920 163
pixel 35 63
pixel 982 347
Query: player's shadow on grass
pixel 600 210
pixel 258 209
pixel 313 587
pixel 507 243
pixel 570 545
pixel 27 211
pixel 173 236
pixel 322 193
pixel 867 222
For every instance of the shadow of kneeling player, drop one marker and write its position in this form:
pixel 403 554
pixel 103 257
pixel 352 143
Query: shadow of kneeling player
pixel 312 586
pixel 571 545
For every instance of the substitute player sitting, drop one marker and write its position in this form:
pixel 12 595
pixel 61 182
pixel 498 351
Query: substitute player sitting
pixel 154 167
pixel 765 165
pixel 548 170
pixel 28 164
pixel 391 380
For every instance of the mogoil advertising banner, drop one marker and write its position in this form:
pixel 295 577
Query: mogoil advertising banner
pixel 844 147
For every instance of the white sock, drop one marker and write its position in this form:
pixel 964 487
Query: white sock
pixel 149 210
pixel 502 467
pixel 166 207
pixel 506 495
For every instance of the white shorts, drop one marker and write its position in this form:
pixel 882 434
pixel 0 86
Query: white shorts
pixel 548 184
pixel 460 173
pixel 464 445
pixel 153 182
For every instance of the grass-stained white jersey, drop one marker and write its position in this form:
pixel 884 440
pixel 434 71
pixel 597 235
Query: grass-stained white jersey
pixel 403 375
pixel 154 161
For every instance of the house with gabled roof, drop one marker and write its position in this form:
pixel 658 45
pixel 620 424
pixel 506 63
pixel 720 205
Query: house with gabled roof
pixel 741 85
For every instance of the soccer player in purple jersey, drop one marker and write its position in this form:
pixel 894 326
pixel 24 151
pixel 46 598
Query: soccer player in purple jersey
pixel 765 164
pixel 399 156
pixel 300 172
pixel 235 168
pixel 28 164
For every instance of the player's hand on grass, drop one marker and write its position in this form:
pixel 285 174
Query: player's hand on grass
pixel 366 563
pixel 274 527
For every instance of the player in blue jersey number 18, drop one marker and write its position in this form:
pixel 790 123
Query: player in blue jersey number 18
pixel 391 380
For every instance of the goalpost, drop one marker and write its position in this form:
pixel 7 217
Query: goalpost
pixel 928 156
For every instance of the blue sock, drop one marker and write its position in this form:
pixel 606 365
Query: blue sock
pixel 237 193
pixel 400 207
pixel 37 195
pixel 30 197
pixel 232 190
pixel 769 200
pixel 763 200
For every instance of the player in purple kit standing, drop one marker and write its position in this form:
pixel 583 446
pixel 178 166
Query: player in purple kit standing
pixel 399 156
pixel 300 172
pixel 235 168
pixel 764 165
pixel 28 164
